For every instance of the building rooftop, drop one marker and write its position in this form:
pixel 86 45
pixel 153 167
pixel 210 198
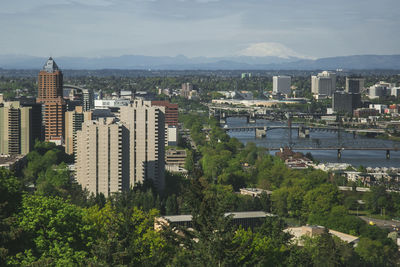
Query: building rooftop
pixel 312 230
pixel 4 159
pixel 235 215
pixel 50 65
pixel 254 191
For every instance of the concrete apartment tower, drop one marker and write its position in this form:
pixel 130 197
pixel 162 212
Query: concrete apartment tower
pixel 323 84
pixel 50 95
pixel 73 123
pixel 102 156
pixel 281 84
pixel 146 124
pixel 17 128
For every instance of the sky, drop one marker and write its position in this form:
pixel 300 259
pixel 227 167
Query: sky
pixel 210 28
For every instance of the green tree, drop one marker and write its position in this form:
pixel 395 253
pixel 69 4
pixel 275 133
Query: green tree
pixel 327 250
pixel 171 205
pixel 321 199
pixel 54 231
pixel 126 238
pixel 374 253
pixel 378 199
pixel 10 201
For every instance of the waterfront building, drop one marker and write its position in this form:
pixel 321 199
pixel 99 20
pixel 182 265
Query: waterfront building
pixel 323 84
pixel 354 84
pixel 343 102
pixel 146 125
pixel 50 95
pixel 73 123
pixel 102 156
pixel 281 84
pixel 19 127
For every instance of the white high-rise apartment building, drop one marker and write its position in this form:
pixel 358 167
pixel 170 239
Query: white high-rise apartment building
pixel 112 156
pixel 323 84
pixel 102 156
pixel 281 84
pixel 146 125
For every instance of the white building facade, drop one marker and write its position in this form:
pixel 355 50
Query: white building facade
pixel 281 84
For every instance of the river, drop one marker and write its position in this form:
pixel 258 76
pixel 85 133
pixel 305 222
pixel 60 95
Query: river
pixel 280 138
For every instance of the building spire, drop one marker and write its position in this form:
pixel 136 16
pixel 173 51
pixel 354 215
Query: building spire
pixel 50 65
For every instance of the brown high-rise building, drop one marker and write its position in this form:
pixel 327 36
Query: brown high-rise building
pixel 171 112
pixel 50 95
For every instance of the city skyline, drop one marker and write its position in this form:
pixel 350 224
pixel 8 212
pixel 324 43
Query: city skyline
pixel 213 28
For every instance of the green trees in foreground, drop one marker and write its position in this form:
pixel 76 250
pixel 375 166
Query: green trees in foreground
pixel 42 230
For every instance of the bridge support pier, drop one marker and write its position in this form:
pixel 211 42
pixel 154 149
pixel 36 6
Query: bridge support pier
pixel 303 132
pixel 339 153
pixel 387 154
pixel 260 133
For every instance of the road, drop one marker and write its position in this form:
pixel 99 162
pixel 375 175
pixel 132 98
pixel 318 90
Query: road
pixel 388 224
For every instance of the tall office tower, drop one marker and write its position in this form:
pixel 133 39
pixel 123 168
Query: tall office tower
pixel 343 102
pixel 323 84
pixel 146 126
pixel 50 95
pixel 73 123
pixel 171 121
pixel 17 128
pixel 87 99
pixel 102 156
pixel 354 85
pixel 281 84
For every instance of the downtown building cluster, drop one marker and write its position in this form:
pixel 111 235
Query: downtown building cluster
pixel 115 148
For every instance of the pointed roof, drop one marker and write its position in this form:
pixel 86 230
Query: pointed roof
pixel 50 65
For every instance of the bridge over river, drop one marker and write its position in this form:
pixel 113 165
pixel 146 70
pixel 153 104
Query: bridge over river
pixel 311 128
pixel 261 131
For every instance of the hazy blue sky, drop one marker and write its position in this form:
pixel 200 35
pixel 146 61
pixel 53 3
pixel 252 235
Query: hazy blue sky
pixel 303 28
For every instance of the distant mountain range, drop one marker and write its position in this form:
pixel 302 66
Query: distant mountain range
pixel 180 62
